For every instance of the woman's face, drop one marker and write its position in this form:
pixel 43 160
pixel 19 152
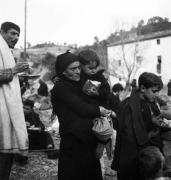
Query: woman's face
pixel 72 72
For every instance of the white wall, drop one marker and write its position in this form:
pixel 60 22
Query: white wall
pixel 149 50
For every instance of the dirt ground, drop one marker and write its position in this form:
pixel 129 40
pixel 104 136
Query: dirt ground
pixel 39 167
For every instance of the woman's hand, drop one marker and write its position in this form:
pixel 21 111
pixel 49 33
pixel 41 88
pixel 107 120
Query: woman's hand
pixel 104 111
pixel 113 114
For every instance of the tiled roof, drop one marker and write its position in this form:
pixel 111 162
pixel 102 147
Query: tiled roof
pixel 154 35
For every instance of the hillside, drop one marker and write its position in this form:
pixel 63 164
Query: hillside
pixel 42 59
pixel 55 50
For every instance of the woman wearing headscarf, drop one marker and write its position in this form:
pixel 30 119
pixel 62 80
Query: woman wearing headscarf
pixel 77 159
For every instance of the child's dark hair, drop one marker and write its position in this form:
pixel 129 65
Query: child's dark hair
pixel 150 80
pixel 117 87
pixel 87 56
pixel 150 162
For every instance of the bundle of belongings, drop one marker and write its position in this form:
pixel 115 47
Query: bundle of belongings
pixel 91 86
pixel 104 132
pixel 38 137
pixel 103 126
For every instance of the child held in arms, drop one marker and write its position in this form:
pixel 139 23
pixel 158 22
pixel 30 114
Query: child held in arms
pixel 97 89
pixel 92 79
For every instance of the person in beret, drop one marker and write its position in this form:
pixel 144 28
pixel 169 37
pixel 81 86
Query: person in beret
pixel 77 158
pixel 13 132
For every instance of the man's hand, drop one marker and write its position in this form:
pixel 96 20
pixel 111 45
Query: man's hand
pixel 27 124
pixel 20 67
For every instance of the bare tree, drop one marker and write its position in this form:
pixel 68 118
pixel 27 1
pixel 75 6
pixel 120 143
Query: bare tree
pixel 127 66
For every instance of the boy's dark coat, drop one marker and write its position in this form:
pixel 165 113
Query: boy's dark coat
pixel 131 136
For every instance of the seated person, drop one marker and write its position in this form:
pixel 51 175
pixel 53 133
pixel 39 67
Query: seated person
pixel 38 137
pixel 24 85
pixel 43 88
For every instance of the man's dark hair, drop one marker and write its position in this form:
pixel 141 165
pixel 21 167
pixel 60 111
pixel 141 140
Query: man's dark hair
pixel 149 162
pixel 149 80
pixel 87 56
pixel 117 87
pixel 9 25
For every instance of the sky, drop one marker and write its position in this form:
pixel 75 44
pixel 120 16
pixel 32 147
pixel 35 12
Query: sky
pixel 78 21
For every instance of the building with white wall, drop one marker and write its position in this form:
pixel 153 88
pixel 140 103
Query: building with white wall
pixel 150 53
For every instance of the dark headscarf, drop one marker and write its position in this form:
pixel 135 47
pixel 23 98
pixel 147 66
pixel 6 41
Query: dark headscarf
pixel 63 61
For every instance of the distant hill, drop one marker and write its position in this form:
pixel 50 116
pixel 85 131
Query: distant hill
pixel 41 59
pixel 153 25
pixel 55 50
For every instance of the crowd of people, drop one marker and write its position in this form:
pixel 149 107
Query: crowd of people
pixel 94 118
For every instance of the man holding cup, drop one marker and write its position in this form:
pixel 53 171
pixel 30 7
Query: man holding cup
pixel 13 132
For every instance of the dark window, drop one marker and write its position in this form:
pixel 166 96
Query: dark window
pixel 159 61
pixel 139 59
pixel 119 63
pixel 158 41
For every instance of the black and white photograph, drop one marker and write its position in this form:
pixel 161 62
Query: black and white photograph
pixel 85 90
